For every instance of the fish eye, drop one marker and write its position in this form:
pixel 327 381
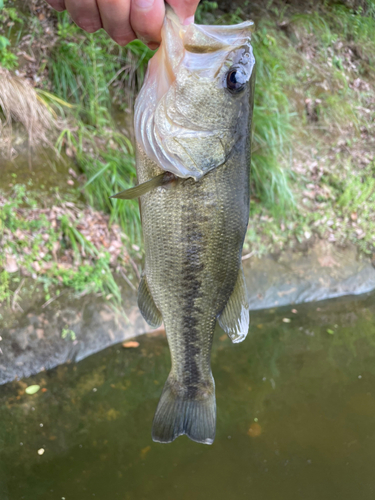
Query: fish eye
pixel 235 80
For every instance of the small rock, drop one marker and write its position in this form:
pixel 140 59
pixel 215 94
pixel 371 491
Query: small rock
pixel 41 451
pixel 11 265
pixel 287 320
pixel 40 333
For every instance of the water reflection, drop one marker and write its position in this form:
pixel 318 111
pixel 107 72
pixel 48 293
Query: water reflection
pixel 296 418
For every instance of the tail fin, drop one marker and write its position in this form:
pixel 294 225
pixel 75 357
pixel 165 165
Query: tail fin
pixel 178 414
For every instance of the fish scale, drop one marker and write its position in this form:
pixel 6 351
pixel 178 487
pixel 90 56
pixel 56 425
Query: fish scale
pixel 193 238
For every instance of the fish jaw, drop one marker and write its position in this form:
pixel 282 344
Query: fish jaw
pixel 186 120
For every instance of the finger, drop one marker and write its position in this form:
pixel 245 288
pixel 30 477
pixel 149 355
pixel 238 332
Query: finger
pixel 185 9
pixel 58 5
pixel 85 14
pixel 146 18
pixel 115 16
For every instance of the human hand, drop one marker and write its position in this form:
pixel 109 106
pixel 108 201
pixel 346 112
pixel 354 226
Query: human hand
pixel 126 20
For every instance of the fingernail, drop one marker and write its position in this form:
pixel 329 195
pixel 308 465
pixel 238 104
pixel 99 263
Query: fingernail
pixel 189 20
pixel 144 4
pixel 153 45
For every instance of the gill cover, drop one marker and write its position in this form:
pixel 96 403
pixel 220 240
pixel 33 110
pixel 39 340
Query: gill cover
pixel 186 118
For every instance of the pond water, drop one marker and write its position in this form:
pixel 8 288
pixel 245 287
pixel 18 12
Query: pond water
pixel 296 418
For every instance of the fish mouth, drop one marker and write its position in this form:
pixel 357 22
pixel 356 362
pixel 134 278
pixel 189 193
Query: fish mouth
pixel 178 41
pixel 200 39
pixel 178 141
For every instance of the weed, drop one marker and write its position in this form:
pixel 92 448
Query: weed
pixel 205 12
pixel 28 235
pixel 92 71
pixel 272 123
pixel 4 286
pixel 68 333
pixel 112 172
pixel 7 59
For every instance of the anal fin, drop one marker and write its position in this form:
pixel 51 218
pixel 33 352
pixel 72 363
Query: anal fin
pixel 147 305
pixel 235 318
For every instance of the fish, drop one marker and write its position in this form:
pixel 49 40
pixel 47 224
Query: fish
pixel 193 119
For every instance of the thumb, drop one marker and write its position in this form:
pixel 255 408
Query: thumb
pixel 185 9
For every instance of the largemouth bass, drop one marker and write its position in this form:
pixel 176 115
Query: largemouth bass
pixel 192 121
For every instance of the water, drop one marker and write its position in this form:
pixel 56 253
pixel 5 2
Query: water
pixel 296 418
pixel 47 172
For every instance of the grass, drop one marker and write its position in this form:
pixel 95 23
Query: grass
pixel 24 232
pixel 305 103
pixel 94 73
pixel 272 124
pixel 9 15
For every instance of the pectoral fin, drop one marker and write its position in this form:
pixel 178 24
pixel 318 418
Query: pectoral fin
pixel 145 187
pixel 235 319
pixel 147 305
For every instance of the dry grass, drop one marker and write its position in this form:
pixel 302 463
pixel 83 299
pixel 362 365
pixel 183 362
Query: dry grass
pixel 20 103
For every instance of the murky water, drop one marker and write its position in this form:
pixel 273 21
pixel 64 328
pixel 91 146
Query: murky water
pixel 296 418
pixel 47 172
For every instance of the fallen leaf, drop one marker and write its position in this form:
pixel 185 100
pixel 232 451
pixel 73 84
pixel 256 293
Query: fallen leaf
pixel 331 332
pixel 144 451
pixel 32 389
pixel 131 344
pixel 223 337
pixel 255 430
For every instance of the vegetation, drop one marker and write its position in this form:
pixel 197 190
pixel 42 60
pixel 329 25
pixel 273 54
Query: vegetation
pixel 313 162
pixel 51 246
